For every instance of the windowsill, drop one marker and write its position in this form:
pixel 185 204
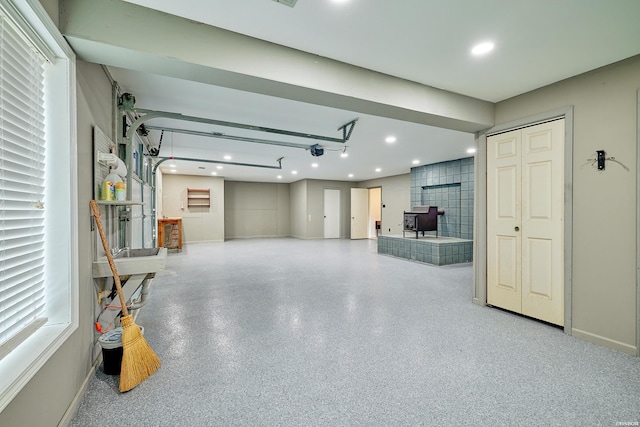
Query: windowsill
pixel 18 367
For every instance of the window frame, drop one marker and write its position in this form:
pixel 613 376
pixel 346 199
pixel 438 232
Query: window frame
pixel 61 223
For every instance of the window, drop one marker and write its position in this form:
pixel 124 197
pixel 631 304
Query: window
pixel 22 164
pixel 38 193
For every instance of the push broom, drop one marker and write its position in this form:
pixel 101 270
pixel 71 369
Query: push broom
pixel 138 359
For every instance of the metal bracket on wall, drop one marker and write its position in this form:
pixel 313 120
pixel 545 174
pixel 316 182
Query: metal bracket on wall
pixel 600 161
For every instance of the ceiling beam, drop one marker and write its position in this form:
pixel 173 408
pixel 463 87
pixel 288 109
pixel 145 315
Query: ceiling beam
pixel 121 34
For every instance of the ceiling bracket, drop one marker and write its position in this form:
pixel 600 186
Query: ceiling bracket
pixel 127 101
pixel 347 128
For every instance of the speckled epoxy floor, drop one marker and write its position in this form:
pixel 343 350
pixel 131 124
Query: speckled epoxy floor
pixel 285 332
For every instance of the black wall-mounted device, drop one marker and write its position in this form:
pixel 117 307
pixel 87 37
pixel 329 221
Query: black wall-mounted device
pixel 600 159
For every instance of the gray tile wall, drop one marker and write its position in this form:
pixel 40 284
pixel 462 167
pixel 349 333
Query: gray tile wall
pixel 448 185
pixel 447 197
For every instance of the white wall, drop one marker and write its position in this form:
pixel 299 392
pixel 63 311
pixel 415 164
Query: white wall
pixel 256 209
pixel 52 7
pixel 298 209
pixel 199 224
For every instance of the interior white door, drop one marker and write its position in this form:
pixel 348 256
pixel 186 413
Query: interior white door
pixel 503 221
pixel 331 214
pixel 543 222
pixel 525 221
pixel 359 212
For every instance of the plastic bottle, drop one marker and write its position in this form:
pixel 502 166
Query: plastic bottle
pixel 109 186
pixel 121 191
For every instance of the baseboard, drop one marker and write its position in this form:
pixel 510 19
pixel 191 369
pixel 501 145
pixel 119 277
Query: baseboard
pixel 605 342
pixel 258 236
pixel 75 403
pixel 478 301
pixel 202 241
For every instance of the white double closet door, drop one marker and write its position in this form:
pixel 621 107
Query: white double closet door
pixel 525 221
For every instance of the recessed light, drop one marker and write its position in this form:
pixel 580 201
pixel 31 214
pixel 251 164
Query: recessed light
pixel 294 172
pixel 482 48
pixel 218 167
pixel 415 162
pixel 350 175
pixel 227 157
pixel 172 165
pixel 279 176
pixel 378 170
pixel 214 173
pixel 471 150
pixel 344 155
pixel 314 165
pixel 390 139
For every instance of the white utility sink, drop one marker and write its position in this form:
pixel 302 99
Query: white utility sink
pixel 132 261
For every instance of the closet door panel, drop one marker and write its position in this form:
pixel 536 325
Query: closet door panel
pixel 503 221
pixel 542 221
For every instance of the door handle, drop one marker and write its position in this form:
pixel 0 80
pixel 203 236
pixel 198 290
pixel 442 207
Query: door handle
pixel 517 228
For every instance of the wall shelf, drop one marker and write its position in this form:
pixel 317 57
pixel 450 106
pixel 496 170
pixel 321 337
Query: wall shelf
pixel 198 197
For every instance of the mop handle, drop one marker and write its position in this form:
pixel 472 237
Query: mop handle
pixel 112 264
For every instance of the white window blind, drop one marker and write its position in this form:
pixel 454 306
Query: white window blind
pixel 22 172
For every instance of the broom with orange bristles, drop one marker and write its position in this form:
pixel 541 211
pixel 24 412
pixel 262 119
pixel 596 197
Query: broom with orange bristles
pixel 138 359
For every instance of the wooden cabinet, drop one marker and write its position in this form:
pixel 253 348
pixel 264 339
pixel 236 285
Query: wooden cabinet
pixel 198 197
pixel 170 233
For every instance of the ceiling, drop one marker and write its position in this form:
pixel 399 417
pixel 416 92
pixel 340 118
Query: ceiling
pixel 537 42
pixel 366 148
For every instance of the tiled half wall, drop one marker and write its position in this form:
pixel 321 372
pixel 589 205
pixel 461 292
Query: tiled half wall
pixel 448 185
pixel 441 251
